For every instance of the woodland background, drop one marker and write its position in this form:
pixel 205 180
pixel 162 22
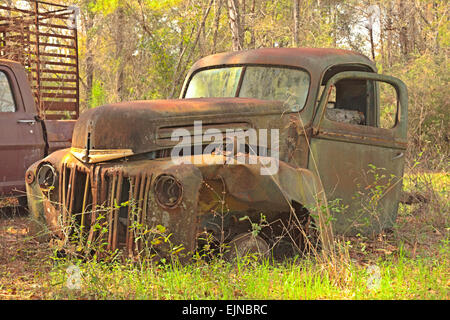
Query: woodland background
pixel 142 49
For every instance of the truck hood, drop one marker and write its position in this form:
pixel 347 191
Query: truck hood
pixel 129 128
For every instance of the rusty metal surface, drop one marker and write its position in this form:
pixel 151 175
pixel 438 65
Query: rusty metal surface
pixel 318 159
pixel 59 134
pixel 135 123
pixel 21 135
pixel 40 38
pixel 94 190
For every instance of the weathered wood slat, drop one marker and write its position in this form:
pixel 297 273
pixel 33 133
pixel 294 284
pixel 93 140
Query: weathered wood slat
pixel 59 106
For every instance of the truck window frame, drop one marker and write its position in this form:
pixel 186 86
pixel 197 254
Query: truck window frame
pixel 370 116
pixel 4 72
pixel 242 75
pixel 397 133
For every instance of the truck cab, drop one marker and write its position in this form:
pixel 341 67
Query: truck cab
pixel 21 136
pixel 331 100
pixel 24 137
pixel 270 149
pixel 39 94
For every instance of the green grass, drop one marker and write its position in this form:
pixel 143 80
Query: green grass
pixel 413 263
pixel 401 277
pixel 439 182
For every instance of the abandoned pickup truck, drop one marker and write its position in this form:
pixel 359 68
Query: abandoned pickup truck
pixel 256 144
pixel 38 88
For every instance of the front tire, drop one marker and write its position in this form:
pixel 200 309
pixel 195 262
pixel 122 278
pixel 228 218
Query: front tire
pixel 247 244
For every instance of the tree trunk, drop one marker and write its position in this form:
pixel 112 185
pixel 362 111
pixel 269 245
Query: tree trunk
pixel 216 25
pixel 382 35
pixel 120 38
pixel 242 23
pixel 252 30
pixel 403 32
pixel 296 22
pixel 88 22
pixel 372 45
pixel 234 19
pixel 389 29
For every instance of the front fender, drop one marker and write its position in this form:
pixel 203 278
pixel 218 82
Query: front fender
pixel 245 189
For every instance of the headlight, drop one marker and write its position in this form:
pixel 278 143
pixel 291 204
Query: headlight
pixel 29 177
pixel 168 191
pixel 46 176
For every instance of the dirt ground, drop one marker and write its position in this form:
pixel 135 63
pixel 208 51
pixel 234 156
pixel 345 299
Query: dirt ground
pixel 23 260
pixel 25 263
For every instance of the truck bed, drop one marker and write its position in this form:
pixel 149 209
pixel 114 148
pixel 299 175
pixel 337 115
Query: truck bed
pixel 59 134
pixel 42 38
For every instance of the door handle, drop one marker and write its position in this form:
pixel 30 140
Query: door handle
pixel 398 156
pixel 30 122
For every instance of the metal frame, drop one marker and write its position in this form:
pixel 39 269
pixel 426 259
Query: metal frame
pixel 42 41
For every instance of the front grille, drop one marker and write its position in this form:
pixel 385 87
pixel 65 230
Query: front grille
pixel 94 198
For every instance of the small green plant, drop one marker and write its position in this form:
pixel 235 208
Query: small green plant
pixel 370 197
pixel 256 227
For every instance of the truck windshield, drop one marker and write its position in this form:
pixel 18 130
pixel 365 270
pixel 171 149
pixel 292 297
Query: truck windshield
pixel 266 83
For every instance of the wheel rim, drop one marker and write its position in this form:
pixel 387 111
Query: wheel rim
pixel 248 244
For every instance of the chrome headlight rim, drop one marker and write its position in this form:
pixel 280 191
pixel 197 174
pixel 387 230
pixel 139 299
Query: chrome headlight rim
pixel 46 176
pixel 168 191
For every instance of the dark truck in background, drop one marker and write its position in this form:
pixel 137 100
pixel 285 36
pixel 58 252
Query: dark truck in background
pixel 39 88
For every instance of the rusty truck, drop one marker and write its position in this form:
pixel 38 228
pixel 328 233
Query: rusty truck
pixel 39 93
pixel 317 116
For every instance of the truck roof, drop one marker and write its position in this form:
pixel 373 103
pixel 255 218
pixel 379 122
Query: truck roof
pixel 9 63
pixel 314 60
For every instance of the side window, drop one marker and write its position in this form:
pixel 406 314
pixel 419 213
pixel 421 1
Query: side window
pixel 353 101
pixel 388 106
pixel 6 97
pixel 348 103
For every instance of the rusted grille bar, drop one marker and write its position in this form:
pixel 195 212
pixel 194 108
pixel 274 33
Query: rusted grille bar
pixel 116 210
pixel 94 176
pixel 71 190
pixel 129 236
pixel 84 205
pixel 111 210
pixel 135 214
pixel 88 194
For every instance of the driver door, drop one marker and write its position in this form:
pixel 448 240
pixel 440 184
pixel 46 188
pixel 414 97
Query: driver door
pixel 21 136
pixel 360 163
